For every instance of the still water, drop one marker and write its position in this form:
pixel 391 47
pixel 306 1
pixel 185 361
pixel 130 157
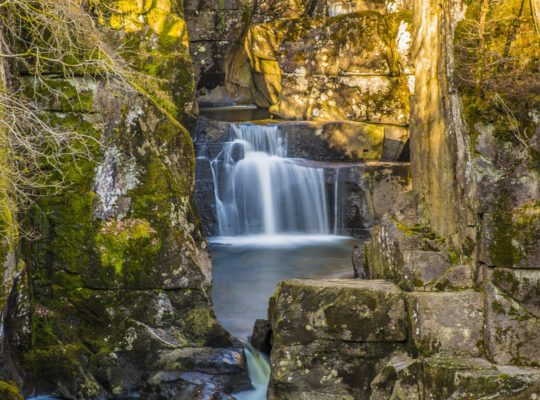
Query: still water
pixel 247 269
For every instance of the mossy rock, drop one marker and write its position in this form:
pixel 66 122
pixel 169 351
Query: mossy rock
pixel 348 310
pixel 512 238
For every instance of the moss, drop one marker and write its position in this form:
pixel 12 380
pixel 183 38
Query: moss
pixel 498 308
pixel 61 361
pixel 9 391
pixel 61 94
pixel 515 235
pixel 130 243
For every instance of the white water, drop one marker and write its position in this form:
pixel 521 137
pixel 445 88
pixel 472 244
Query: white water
pixel 260 191
pixel 336 200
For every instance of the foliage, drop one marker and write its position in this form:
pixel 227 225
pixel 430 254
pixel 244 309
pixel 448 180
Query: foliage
pixel 497 65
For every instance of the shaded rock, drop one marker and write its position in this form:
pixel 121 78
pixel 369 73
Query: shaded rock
pixel 522 285
pixel 334 141
pixel 261 338
pixel 330 338
pixel 405 208
pixel 511 239
pixel 385 182
pixel 432 271
pixel 385 250
pixel 447 324
pixel 186 390
pixel 395 138
pixel 359 262
pixel 327 369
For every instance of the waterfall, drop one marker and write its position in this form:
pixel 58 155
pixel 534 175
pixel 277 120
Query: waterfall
pixel 259 375
pixel 336 200
pixel 258 190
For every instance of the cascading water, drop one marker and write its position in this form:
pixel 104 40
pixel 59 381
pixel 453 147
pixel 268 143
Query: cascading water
pixel 258 190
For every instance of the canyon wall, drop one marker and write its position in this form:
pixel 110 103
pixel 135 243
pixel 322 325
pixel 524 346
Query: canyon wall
pixel 112 293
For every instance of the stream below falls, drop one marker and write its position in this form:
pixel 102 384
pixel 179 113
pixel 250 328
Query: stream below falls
pixel 246 271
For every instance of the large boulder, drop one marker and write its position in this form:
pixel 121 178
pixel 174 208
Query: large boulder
pixel 349 67
pixel 337 309
pixel 329 337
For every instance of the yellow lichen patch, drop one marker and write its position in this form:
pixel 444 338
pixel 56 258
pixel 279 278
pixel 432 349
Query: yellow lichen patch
pixel 117 236
pixel 132 6
pixel 179 30
pixel 156 19
pixel 127 22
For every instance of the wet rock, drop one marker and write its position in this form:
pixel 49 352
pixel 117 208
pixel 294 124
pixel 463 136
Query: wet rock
pixel 200 373
pixel 185 390
pixel 447 324
pixel 261 338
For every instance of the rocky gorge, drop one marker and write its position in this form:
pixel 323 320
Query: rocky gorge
pixel 416 123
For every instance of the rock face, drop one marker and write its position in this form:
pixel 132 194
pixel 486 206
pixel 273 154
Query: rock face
pixel 306 65
pixel 115 297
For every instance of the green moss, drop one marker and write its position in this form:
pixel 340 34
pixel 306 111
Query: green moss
pixel 130 243
pixel 61 94
pixel 52 363
pixel 9 391
pixel 515 235
pixel 497 307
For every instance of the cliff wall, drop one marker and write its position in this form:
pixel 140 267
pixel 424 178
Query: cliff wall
pixel 114 296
